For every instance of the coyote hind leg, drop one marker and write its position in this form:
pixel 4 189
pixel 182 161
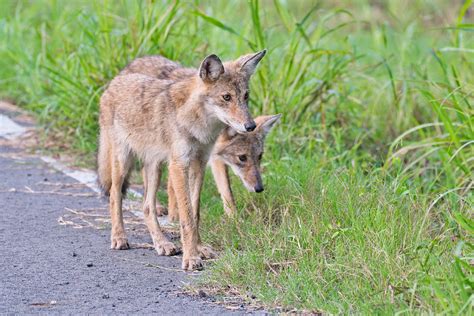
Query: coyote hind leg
pixel 173 215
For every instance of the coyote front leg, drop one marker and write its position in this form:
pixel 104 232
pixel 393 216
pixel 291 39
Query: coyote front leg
pixel 196 174
pixel 189 229
pixel 196 177
pixel 162 245
pixel 221 177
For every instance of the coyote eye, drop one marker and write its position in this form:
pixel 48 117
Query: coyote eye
pixel 246 96
pixel 243 158
pixel 227 97
pixel 260 157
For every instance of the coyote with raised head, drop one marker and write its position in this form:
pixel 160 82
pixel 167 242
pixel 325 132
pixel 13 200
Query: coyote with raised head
pixel 176 118
pixel 242 152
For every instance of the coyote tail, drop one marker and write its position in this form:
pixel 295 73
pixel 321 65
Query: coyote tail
pixel 104 166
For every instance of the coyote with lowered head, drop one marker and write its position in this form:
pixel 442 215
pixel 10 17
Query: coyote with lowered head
pixel 241 152
pixel 176 118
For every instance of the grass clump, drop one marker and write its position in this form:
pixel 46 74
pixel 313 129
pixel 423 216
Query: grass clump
pixel 368 201
pixel 338 241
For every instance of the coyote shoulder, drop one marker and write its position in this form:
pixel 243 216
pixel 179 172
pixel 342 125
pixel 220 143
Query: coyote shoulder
pixel 177 117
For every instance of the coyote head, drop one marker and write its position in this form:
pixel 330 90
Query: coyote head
pixel 243 152
pixel 226 89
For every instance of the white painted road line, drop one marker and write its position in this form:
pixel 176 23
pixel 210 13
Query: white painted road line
pixel 9 129
pixel 86 177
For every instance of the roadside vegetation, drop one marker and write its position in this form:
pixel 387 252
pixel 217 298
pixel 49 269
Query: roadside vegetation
pixel 368 206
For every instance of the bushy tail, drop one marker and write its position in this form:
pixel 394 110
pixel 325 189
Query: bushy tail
pixel 104 166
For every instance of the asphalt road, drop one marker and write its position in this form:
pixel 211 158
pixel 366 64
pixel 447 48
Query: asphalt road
pixel 55 256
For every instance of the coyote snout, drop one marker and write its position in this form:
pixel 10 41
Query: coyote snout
pixel 249 127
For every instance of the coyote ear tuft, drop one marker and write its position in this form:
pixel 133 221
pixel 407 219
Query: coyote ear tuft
pixel 266 122
pixel 211 68
pixel 250 62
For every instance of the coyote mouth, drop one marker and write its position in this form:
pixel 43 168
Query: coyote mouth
pixel 237 127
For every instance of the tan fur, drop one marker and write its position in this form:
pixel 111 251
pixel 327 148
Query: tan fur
pixel 229 145
pixel 176 118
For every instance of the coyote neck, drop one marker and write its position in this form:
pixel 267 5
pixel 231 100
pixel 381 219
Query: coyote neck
pixel 192 111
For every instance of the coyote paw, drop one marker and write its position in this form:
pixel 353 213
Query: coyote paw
pixel 166 248
pixel 161 210
pixel 192 263
pixel 119 243
pixel 206 252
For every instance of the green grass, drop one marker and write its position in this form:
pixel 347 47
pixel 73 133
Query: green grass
pixel 336 239
pixel 368 205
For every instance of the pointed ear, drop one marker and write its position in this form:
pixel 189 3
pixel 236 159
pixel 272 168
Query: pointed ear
pixel 249 62
pixel 225 137
pixel 211 68
pixel 266 122
pixel 229 133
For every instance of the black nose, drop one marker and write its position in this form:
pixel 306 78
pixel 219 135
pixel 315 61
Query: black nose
pixel 250 126
pixel 259 188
